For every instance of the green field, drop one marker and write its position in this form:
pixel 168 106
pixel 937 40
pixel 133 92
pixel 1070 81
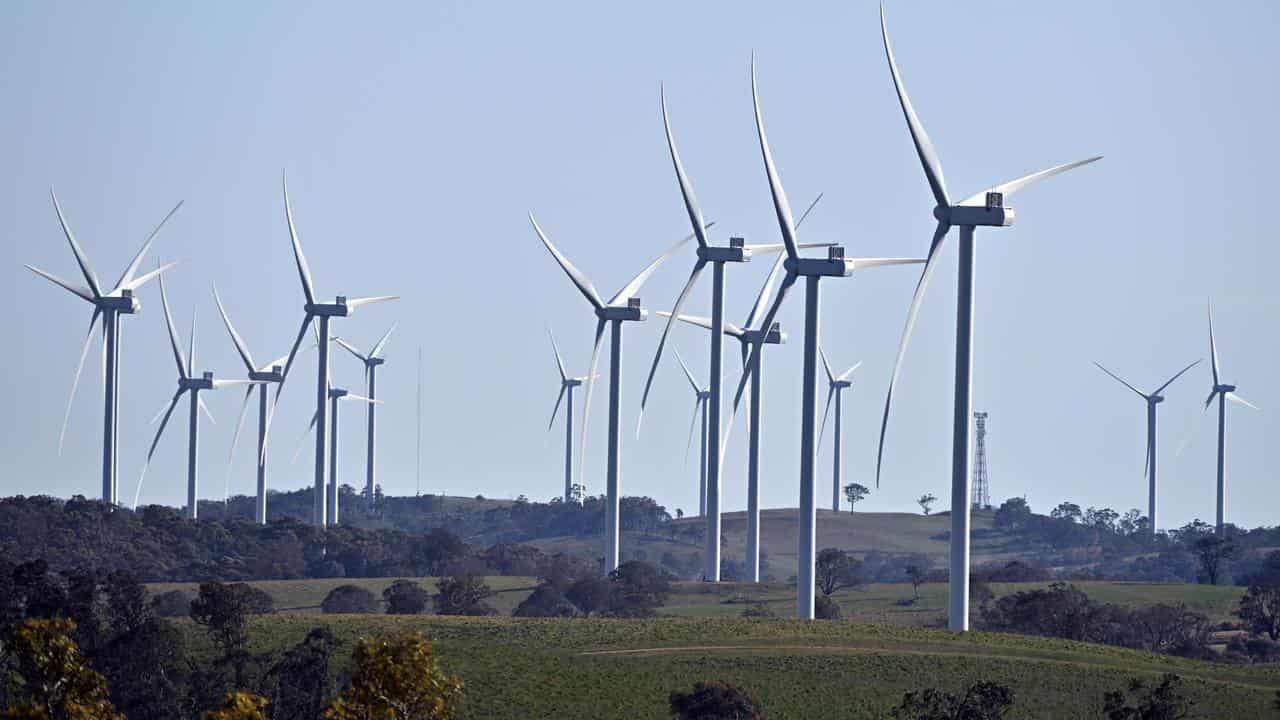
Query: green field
pixel 625 668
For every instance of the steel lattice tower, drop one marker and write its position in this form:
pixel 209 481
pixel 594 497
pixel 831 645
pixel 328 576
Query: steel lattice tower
pixel 981 483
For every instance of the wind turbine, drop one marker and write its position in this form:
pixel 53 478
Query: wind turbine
pixel 1223 392
pixel 371 362
pixel 622 307
pixel 263 375
pixel 985 209
pixel 109 306
pixel 322 312
pixel 187 381
pixel 836 385
pixel 1152 399
pixel 812 270
pixel 749 336
pixel 701 396
pixel 567 384
pixel 336 396
pixel 736 252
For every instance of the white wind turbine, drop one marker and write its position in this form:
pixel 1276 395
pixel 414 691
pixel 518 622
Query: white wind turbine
pixel 336 396
pixel 748 336
pixel 187 382
pixel 836 385
pixel 701 396
pixel 567 384
pixel 812 270
pixel 1152 399
pixel 985 209
pixel 371 362
pixel 320 312
pixel 108 306
pixel 1222 392
pixel 622 307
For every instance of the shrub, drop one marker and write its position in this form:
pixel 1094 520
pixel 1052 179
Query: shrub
pixel 349 599
pixel 758 610
pixel 173 603
pixel 1165 701
pixel 715 701
pixel 545 601
pixel 824 608
pixel 983 701
pixel 463 595
pixel 405 597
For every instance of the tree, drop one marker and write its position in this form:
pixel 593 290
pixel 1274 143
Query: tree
pixel 1212 553
pixel 224 612
pixel 926 502
pixel 983 701
pixel 1066 511
pixel 637 587
pixel 853 492
pixel 397 677
pixel 239 705
pixel 545 601
pixel 1260 610
pixel 299 683
pixel 147 670
pixel 435 550
pixel 835 569
pixel 916 575
pixel 463 595
pixel 590 594
pixel 349 599
pixel 1165 701
pixel 715 701
pixel 55 681
pixel 1013 514
pixel 405 597
pixel 826 608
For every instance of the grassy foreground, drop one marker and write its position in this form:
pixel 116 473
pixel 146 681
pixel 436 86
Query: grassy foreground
pixel 625 668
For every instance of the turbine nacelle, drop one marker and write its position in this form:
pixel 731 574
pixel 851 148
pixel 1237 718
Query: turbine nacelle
pixel 571 382
pixel 772 336
pixel 125 302
pixel 631 312
pixel 337 393
pixel 842 384
pixel 1155 399
pixel 204 382
pixel 375 361
pixel 835 264
pixel 274 375
pixel 338 308
pixel 1224 388
pixel 992 214
pixel 736 252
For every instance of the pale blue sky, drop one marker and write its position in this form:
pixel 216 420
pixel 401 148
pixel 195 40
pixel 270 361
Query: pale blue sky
pixel 417 136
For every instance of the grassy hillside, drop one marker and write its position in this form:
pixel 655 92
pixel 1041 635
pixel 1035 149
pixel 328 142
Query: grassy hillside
pixel 626 668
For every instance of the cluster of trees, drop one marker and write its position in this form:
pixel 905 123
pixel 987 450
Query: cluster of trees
pixel 87 645
pixel 635 589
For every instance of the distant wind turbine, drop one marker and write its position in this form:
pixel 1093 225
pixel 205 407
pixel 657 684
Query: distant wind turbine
pixel 1223 392
pixel 836 385
pixel 322 312
pixel 336 396
pixel 1152 399
pixel 701 396
pixel 109 306
pixel 567 384
pixel 622 307
pixel 187 381
pixel 371 361
pixel 812 270
pixel 985 209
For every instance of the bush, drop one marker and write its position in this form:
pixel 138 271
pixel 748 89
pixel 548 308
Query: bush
pixel 824 608
pixel 349 599
pixel 983 701
pixel 715 701
pixel 637 587
pixel 545 601
pixel 758 610
pixel 463 595
pixel 173 603
pixel 405 597
pixel 1165 701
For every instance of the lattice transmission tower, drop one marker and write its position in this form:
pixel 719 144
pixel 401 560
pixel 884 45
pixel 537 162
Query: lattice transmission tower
pixel 981 483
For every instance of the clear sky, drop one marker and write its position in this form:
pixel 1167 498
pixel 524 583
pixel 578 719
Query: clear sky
pixel 418 135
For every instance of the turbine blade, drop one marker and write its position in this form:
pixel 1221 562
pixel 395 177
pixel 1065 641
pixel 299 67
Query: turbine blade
pixel 586 402
pixel 173 332
pixel 924 146
pixel 705 322
pixel 575 275
pixel 753 360
pixel 822 429
pixel 686 190
pixel 1209 400
pixel 304 272
pixel 81 260
pixel 1213 349
pixel 382 342
pixel 1122 382
pixel 135 283
pixel 235 440
pixel 191 343
pixel 781 207
pixel 692 383
pixel 1013 186
pixel 205 409
pixel 860 263
pixel 1146 459
pixel 235 336
pixel 293 352
pixel 1175 377
pixel 556 409
pixel 349 348
pixel 939 234
pixel 75 380
pixel 630 289
pixel 1237 399
pixel 78 290
pixel 559 363
pixel 353 303
pixel 826 365
pixel 126 279
pixel 360 398
pixel 662 341
pixel 219 384
pixel 1189 433
pixel 302 440
pixel 849 372
pixel 693 425
pixel 154 441
pixel 767 289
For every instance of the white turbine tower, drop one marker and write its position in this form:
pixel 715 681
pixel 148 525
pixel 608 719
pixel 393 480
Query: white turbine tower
pixel 836 385
pixel 371 361
pixel 1152 399
pixel 701 397
pixel 109 306
pixel 622 307
pixel 335 396
pixel 1222 392
pixel 567 384
pixel 321 312
pixel 812 270
pixel 985 209
pixel 187 382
